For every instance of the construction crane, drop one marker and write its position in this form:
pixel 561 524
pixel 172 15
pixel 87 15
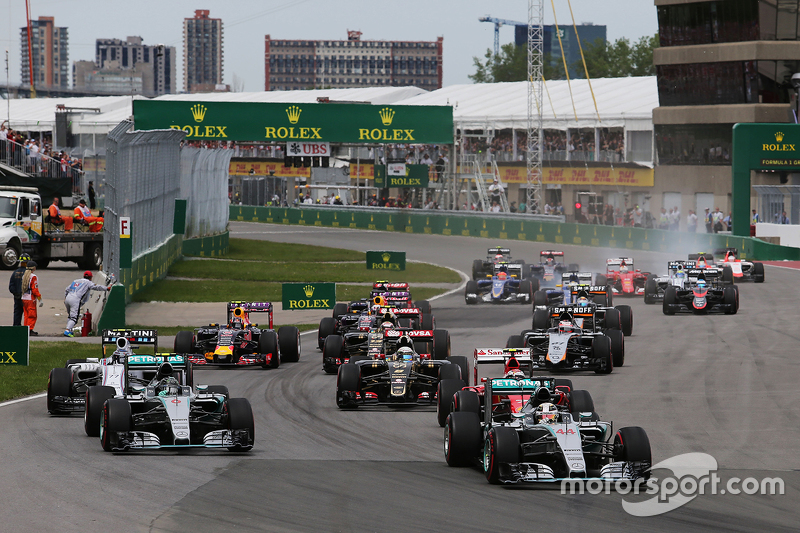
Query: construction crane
pixel 497 23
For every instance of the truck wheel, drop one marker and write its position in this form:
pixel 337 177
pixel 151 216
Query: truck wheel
pixel 10 257
pixel 92 257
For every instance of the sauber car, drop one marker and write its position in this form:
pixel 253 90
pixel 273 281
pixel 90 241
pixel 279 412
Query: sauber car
pixel 505 286
pixel 482 269
pixel 546 441
pixel 702 295
pixel 240 342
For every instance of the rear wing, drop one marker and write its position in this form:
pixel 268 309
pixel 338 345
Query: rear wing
pixel 386 286
pixel 619 260
pixel 149 365
pixel 708 273
pixel 135 337
pixel 514 269
pixel 491 362
pixel 250 307
pixel 575 311
pixel 498 250
pixel 554 253
pixel 674 265
pixel 397 296
pixel 591 289
pixel 584 278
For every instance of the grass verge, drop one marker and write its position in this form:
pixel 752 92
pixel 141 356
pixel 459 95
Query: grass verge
pixel 252 250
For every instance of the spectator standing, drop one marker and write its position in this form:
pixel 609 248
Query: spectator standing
pixel 675 219
pixel 717 217
pixel 426 160
pixel 784 219
pixel 754 219
pixel 75 295
pixel 709 220
pixel 512 207
pixel 31 296
pixel 92 196
pixel 728 222
pixel 638 215
pixel 15 288
pixel 609 215
pixel 439 167
pixel 547 209
pixel 494 190
pixel 663 220
pixel 691 222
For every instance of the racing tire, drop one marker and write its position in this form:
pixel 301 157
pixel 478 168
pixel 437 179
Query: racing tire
pixel 477 269
pixel 601 350
pixel 737 296
pixel 445 391
pixel 534 283
pixel 471 288
pixel 541 319
pixel 612 320
pixel 289 344
pixel 515 341
pixel 501 446
pixel 727 275
pixel 466 401
pixel 327 326
pixel 601 300
pixel 609 296
pixel 268 344
pixel 540 298
pixel 422 347
pixel 670 298
pixel 219 389
pixel 449 372
pixel 463 366
pixel 93 410
pixel 74 362
pixel 564 382
pixel 424 306
pixel 348 380
pixel 332 349
pixel 357 358
pixel 617 346
pixel 441 344
pixel 600 279
pixel 59 383
pixel 625 319
pixel 650 291
pixel 116 417
pixel 525 288
pixel 730 297
pixel 184 342
pixel 580 401
pixel 462 438
pixel 339 308
pixel 428 321
pixel 758 272
pixel 240 416
pixel 632 444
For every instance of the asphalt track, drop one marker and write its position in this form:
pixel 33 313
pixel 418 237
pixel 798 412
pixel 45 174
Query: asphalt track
pixel 723 385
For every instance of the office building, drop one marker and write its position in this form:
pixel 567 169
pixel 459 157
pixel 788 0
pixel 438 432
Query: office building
pixel 202 53
pixel 50 47
pixel 588 33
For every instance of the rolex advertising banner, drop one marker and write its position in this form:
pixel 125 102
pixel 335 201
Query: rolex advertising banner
pixel 386 260
pixel 401 175
pixel 308 296
pixel 312 123
pixel 14 345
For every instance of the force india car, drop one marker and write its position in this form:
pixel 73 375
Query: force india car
pixel 240 342
pixel 578 338
pixel 505 286
pixel 623 278
pixel 482 269
pixel 551 266
pixel 166 414
pixel 562 293
pixel 741 270
pixel 515 447
pixel 706 294
pixel 66 387
pixel 404 378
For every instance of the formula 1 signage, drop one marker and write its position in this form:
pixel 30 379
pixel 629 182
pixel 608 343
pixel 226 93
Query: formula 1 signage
pixel 297 296
pixel 299 122
pixel 386 260
pixel 14 345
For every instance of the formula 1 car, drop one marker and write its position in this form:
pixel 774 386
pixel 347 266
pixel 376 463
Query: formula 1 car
pixel 166 414
pixel 551 266
pixel 655 286
pixel 394 294
pixel 66 387
pixel 741 270
pixel 240 342
pixel 545 441
pixel 482 269
pixel 562 293
pixel 403 378
pixel 505 286
pixel 623 278
pixel 706 294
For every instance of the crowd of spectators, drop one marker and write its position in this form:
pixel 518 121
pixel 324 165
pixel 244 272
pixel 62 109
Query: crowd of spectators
pixel 580 146
pixel 35 156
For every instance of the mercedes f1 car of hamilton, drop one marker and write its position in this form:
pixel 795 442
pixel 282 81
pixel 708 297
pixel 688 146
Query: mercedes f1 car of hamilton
pixel 241 342
pixel 551 266
pixel 702 293
pixel 548 440
pixel 66 387
pixel 741 270
pixel 402 378
pixel 505 286
pixel 166 414
pixel 482 269
pixel 623 278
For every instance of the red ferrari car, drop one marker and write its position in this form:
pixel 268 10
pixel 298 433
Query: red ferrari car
pixel 623 278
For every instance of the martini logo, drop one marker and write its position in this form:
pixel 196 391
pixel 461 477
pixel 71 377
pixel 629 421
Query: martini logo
pixel 778 146
pixel 201 132
pixel 199 112
pixel 293 112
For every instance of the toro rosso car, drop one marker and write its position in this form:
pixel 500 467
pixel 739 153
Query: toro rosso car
pixel 562 293
pixel 704 295
pixel 551 266
pixel 401 378
pixel 66 387
pixel 623 278
pixel 505 286
pixel 741 270
pixel 166 414
pixel 240 342
pixel 482 269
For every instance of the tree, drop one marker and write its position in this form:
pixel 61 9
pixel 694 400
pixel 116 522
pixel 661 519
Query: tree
pixel 512 65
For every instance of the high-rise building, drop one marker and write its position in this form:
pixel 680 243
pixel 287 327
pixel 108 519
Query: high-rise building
pixel 589 34
pixel 720 63
pixel 159 60
pixel 293 65
pixel 202 52
pixel 50 47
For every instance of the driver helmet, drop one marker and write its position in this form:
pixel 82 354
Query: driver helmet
pixel 236 323
pixel 502 275
pixel 514 373
pixel 623 267
pixel 701 261
pixel 498 256
pixel 730 256
pixel 564 326
pixel 550 260
pixel 168 386
pixel 546 413
pixel 583 301
pixel 680 273
pixel 404 354
pixel 701 282
pixel 375 309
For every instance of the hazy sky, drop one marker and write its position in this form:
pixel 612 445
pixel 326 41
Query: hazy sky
pixel 246 22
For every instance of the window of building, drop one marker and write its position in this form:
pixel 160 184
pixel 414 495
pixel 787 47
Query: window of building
pixel 695 144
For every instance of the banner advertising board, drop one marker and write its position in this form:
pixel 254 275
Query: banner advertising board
pixel 297 296
pixel 386 260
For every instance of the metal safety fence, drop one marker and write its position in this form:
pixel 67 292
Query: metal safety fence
pixel 778 204
pixel 204 183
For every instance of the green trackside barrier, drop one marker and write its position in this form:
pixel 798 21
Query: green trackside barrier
pixel 151 266
pixel 212 246
pixel 515 228
pixel 114 311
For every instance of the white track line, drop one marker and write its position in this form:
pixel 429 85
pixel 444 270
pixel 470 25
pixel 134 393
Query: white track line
pixel 25 399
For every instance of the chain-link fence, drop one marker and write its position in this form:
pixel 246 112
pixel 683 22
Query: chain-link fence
pixel 778 204
pixel 204 183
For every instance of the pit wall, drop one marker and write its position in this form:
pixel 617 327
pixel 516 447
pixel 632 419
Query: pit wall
pixel 514 228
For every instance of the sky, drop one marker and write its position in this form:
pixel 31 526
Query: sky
pixel 246 22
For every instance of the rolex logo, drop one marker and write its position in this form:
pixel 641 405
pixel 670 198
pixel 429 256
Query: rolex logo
pixel 387 115
pixel 779 136
pixel 199 112
pixel 386 256
pixel 309 290
pixel 293 112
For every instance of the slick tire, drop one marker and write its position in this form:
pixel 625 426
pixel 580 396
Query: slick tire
pixel 348 380
pixel 327 326
pixel 617 346
pixel 240 416
pixel 601 351
pixel 525 288
pixel 59 383
pixel 632 444
pixel 515 341
pixel 289 344
pixel 500 446
pixel 471 288
pixel 541 319
pixel 445 390
pixel 462 438
pixel 612 320
pixel 332 349
pixel 184 342
pixel 650 291
pixel 670 298
pixel 424 306
pixel 758 272
pixel 268 345
pixel 116 417
pixel 625 319
pixel 93 410
pixel 218 389
pixel 540 298
pixel 339 308
pixel 580 401
pixel 441 344
pixel 466 401
pixel 461 363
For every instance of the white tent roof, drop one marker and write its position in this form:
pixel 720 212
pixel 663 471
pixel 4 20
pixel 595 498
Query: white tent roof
pixel 627 102
pixel 39 114
pixel 373 95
